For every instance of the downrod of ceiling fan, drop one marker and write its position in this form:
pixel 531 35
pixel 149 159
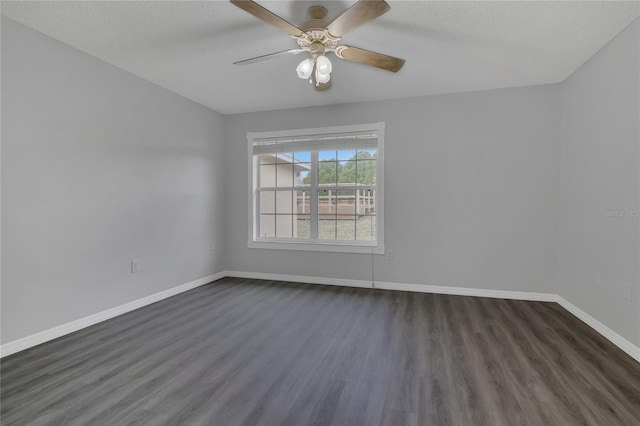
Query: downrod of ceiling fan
pixel 317 15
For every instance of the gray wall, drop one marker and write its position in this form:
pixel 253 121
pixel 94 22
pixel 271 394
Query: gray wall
pixel 470 190
pixel 98 167
pixel 599 252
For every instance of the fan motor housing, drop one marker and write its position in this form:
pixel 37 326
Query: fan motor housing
pixel 317 36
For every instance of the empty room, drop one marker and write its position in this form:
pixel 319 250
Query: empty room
pixel 353 212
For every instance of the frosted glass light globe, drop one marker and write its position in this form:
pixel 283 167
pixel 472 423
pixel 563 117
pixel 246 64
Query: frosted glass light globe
pixel 305 68
pixel 324 65
pixel 322 78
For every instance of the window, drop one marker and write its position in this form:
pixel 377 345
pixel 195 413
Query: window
pixel 317 189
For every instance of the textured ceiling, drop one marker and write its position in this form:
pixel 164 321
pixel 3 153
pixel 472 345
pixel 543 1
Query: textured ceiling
pixel 189 47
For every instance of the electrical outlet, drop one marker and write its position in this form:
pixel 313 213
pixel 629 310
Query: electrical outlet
pixel 597 280
pixel 135 266
pixel 213 249
pixel 628 292
pixel 389 254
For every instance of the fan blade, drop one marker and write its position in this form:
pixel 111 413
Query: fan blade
pixel 269 56
pixel 261 13
pixel 362 56
pixel 323 86
pixel 358 14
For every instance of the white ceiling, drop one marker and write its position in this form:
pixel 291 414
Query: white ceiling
pixel 189 47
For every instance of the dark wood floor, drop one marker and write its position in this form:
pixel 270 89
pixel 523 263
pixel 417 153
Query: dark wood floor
pixel 249 352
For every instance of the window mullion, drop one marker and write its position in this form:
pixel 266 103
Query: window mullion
pixel 314 195
pixel 257 194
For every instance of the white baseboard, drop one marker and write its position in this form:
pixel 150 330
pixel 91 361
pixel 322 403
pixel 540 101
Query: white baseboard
pixel 464 291
pixel 632 350
pixel 53 333
pixel 70 327
pixel 300 279
pixel 420 288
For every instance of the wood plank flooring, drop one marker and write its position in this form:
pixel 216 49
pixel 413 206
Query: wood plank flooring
pixel 250 352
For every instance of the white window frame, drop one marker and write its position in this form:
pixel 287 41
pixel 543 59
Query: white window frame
pixel 373 247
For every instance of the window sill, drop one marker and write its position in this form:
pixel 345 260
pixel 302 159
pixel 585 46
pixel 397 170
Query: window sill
pixel 316 246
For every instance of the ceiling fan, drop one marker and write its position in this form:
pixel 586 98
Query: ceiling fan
pixel 319 37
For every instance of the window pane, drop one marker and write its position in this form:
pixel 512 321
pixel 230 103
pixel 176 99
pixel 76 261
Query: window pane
pixel 303 202
pixel 327 214
pixel 267 225
pixel 303 226
pixel 327 228
pixel 303 174
pixel 284 225
pixel 327 172
pixel 366 154
pixel 285 175
pixel 327 203
pixel 346 204
pixel 267 159
pixel 267 176
pixel 285 158
pixel 267 201
pixel 346 229
pixel 347 172
pixel 366 228
pixel 346 155
pixel 346 214
pixel 366 203
pixel 366 172
pixel 327 155
pixel 366 211
pixel 302 157
pixel 284 202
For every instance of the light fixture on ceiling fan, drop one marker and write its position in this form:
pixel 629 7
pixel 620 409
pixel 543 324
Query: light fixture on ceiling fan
pixel 319 66
pixel 317 37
